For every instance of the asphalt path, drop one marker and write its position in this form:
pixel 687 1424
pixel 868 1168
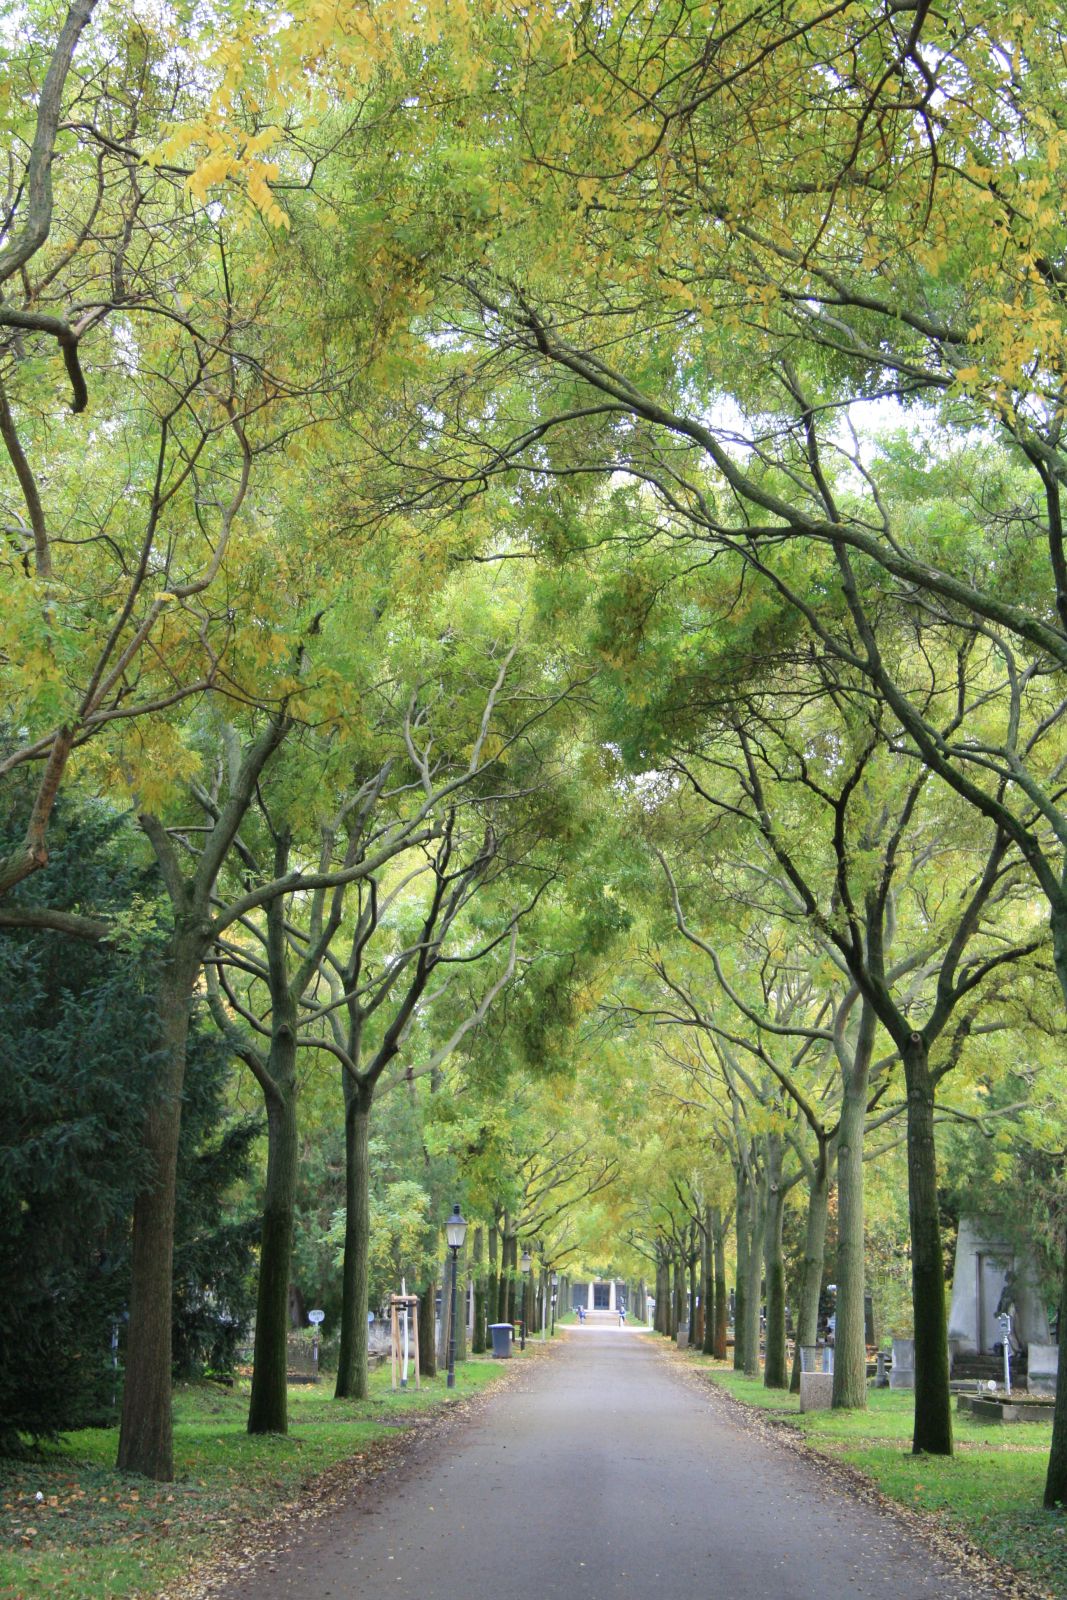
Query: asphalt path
pixel 604 1474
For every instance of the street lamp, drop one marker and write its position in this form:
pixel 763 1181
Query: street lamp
pixel 455 1233
pixel 524 1268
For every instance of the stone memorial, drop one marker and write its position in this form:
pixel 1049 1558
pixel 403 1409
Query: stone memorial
pixel 1043 1366
pixel 902 1373
pixel 990 1273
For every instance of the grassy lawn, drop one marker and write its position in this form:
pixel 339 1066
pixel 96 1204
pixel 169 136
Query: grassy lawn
pixel 990 1490
pixel 72 1528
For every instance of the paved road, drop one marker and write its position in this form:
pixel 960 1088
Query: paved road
pixel 604 1475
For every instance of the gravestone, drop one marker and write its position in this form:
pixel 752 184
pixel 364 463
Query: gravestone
pixel 1042 1367
pixel 902 1375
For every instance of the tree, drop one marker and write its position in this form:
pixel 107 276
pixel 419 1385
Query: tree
pixel 81 1032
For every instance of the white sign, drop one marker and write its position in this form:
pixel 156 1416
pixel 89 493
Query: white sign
pixel 316 1317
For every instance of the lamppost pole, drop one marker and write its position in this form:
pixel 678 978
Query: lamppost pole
pixel 524 1267
pixel 455 1233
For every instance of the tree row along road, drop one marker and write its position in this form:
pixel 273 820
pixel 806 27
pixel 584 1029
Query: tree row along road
pixel 603 1473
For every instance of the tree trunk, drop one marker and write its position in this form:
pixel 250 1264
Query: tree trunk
pixel 503 1308
pixel 492 1287
pixel 427 1319
pixel 478 1331
pixel 743 1232
pixel 707 1279
pixel 1056 1477
pixel 268 1407
pixel 753 1295
pixel 352 1357
pixel 774 1368
pixel 694 1256
pixel 461 1304
pixel 146 1434
pixel 850 1336
pixel 814 1254
pixel 933 1416
pixel 662 1319
pixel 722 1304
pixel 678 1303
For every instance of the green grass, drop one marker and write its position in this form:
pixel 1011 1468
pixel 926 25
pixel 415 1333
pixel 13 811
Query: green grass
pixel 990 1490
pixel 97 1534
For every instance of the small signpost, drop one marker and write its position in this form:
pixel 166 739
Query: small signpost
pixel 404 1321
pixel 316 1318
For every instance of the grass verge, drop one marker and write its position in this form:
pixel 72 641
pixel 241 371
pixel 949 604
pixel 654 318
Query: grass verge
pixel 990 1491
pixel 72 1528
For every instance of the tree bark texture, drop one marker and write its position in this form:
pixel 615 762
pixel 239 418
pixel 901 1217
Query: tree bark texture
pixel 268 1406
pixel 707 1283
pixel 678 1302
pixel 753 1295
pixel 462 1282
pixel 850 1334
pixel 743 1232
pixel 663 1291
pixel 722 1304
pixel 427 1319
pixel 774 1366
pixel 1056 1477
pixel 492 1286
pixel 933 1416
pixel 814 1258
pixel 146 1433
pixel 446 1309
pixel 352 1357
pixel 478 1331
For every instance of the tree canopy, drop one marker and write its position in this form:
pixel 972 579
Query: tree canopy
pixel 535 608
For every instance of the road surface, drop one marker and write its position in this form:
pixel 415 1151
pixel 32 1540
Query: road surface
pixel 604 1474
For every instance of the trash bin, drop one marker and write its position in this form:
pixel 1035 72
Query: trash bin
pixel 501 1332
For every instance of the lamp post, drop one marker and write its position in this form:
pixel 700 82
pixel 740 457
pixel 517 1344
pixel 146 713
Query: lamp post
pixel 455 1233
pixel 524 1267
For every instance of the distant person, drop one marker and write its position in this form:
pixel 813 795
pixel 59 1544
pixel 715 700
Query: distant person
pixel 622 1316
pixel 581 1313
